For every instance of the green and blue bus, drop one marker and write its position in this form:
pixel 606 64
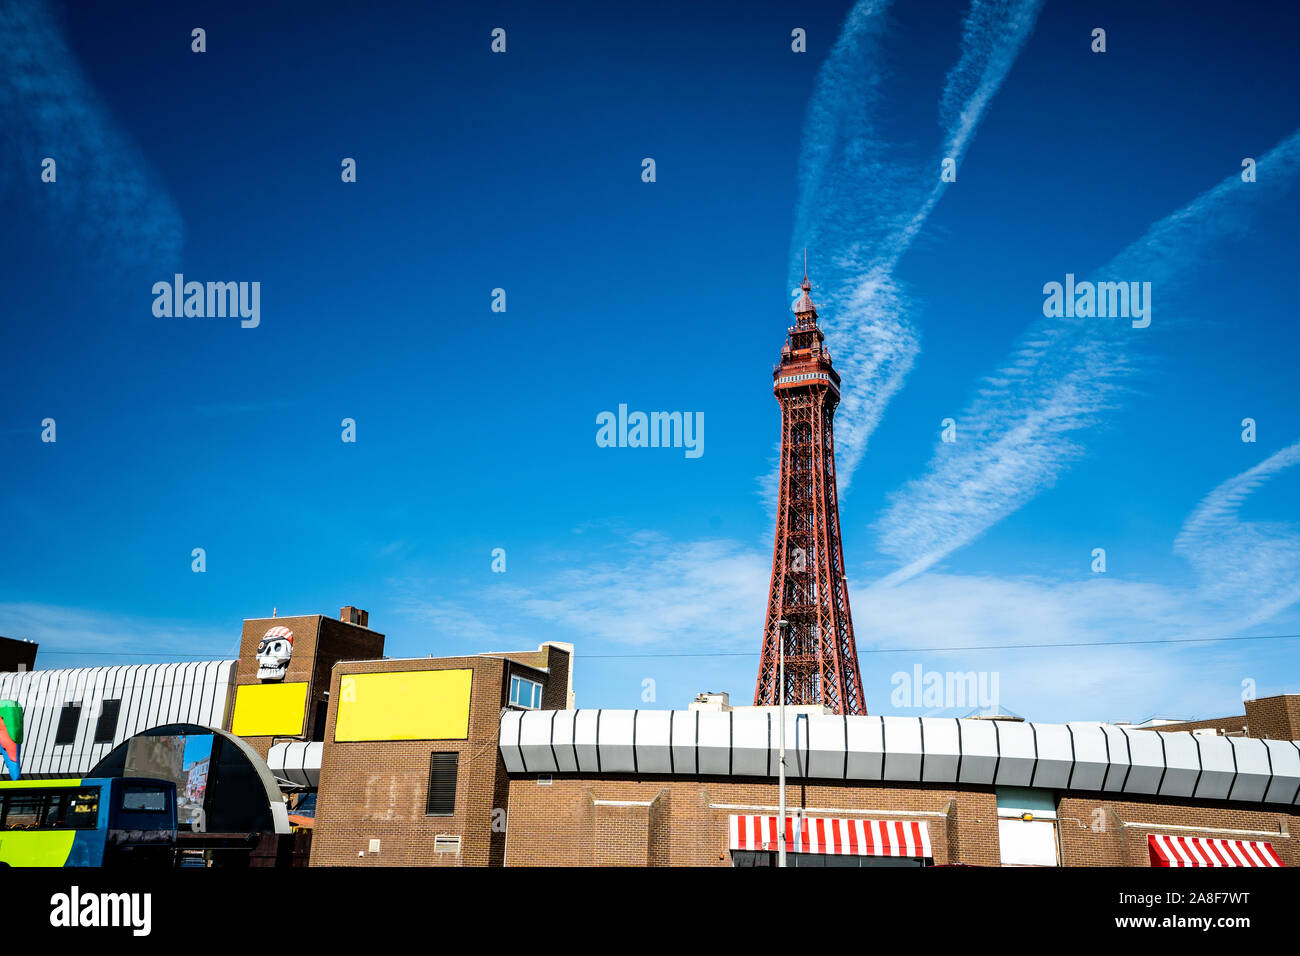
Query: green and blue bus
pixel 103 821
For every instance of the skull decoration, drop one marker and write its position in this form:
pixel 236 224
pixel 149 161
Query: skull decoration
pixel 273 653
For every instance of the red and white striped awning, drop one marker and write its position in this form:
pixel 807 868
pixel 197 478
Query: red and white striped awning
pixel 1200 851
pixel 832 835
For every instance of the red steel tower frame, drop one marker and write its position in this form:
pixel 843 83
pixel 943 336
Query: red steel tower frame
pixel 808 588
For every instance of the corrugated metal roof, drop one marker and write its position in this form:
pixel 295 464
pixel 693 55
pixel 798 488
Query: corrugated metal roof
pixel 1079 756
pixel 151 694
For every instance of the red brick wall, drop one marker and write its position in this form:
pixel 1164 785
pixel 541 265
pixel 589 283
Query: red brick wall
pixel 555 692
pixel 1277 718
pixel 318 643
pixel 339 641
pixel 1093 831
pixel 621 836
pixel 570 822
pixel 685 821
pixel 379 789
pixel 305 629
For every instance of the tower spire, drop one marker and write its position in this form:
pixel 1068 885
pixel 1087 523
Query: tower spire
pixel 805 304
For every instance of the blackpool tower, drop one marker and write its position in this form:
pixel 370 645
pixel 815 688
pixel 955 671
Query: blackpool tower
pixel 808 589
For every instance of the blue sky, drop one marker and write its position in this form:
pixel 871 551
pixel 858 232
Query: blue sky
pixel 476 429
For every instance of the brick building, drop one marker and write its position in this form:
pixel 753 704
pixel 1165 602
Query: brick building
pixel 293 704
pixel 630 821
pixel 385 761
pixel 685 788
pixel 482 760
pixel 410 771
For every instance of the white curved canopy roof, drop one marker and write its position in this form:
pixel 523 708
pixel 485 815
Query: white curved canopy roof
pixel 1080 756
pixel 190 692
pixel 297 762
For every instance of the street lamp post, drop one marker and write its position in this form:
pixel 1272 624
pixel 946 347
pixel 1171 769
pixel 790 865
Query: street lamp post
pixel 783 627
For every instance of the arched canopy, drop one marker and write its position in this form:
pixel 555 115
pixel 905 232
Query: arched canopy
pixel 214 770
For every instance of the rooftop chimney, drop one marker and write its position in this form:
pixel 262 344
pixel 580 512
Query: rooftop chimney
pixel 354 615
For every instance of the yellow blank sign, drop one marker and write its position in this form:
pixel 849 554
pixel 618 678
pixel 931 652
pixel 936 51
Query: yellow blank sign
pixel 405 705
pixel 266 710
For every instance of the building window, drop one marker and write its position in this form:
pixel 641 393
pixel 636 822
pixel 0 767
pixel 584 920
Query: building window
pixel 318 721
pixel 525 693
pixel 106 726
pixel 68 720
pixel 442 785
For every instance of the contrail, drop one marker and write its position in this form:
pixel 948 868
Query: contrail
pixel 861 206
pixel 104 197
pixel 1017 435
pixel 1251 565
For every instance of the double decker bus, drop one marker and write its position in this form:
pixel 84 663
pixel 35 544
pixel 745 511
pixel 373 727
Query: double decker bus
pixel 100 821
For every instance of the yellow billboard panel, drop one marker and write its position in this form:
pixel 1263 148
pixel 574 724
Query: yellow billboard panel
pixel 268 710
pixel 404 705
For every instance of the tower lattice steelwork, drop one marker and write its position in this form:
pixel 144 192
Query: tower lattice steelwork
pixel 808 588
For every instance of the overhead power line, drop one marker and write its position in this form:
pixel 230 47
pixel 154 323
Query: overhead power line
pixel 972 647
pixel 872 650
pixel 168 657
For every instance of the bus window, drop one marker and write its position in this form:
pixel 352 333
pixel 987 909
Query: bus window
pixel 52 810
pixel 140 805
pixel 22 811
pixel 80 810
pixel 84 810
pixel 141 799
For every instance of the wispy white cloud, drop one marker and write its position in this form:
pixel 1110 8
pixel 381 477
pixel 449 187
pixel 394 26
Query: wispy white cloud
pixel 76 637
pixel 1251 568
pixel 671 594
pixel 992 35
pixel 1022 429
pixel 105 196
pixel 1248 573
pixel 1114 681
pixel 861 204
pixel 648 591
pixel 438 619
